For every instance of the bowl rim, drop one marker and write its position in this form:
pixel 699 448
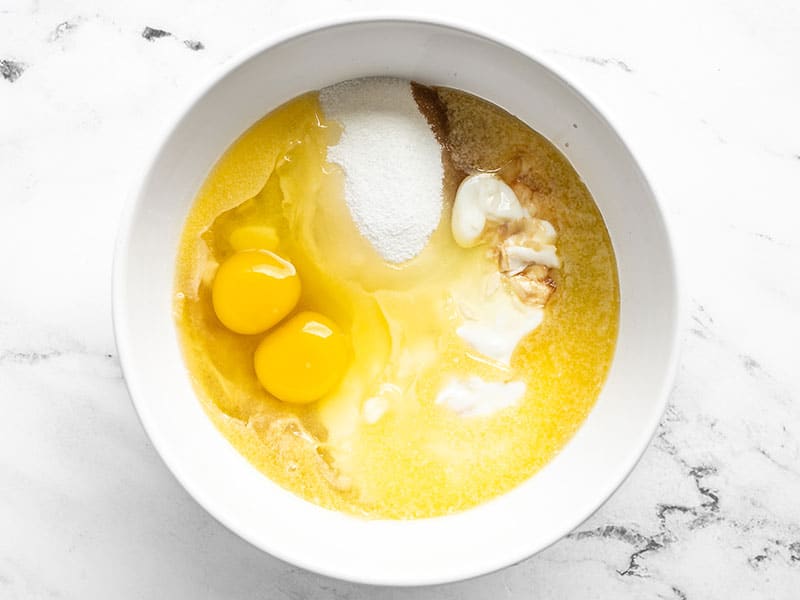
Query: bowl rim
pixel 134 198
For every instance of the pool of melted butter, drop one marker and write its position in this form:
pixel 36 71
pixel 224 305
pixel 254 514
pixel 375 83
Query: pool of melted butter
pixel 419 459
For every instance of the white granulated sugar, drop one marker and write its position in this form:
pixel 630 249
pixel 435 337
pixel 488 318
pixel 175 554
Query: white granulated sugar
pixel 391 161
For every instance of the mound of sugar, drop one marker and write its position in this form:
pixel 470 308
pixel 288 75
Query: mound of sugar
pixel 391 161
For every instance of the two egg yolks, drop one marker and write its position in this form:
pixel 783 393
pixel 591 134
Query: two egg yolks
pixel 303 358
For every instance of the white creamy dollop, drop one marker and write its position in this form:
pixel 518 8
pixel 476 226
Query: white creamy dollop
pixel 481 198
pixel 374 408
pixel 474 397
pixel 521 257
pixel 495 323
pixel 535 245
pixel 378 405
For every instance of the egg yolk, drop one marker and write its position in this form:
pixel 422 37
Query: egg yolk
pixel 303 359
pixel 253 290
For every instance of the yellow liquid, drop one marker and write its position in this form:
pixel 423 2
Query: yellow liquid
pixel 420 459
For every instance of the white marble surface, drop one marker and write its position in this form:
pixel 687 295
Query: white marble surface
pixel 706 92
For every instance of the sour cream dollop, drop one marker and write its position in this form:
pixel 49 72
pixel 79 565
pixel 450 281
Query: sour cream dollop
pixel 494 321
pixel 474 397
pixel 481 198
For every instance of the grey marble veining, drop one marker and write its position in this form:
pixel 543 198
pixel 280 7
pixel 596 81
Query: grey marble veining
pixel 705 93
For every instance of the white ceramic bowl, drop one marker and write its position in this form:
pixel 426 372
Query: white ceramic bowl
pixel 495 534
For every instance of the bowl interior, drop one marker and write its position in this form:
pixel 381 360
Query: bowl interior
pixel 490 536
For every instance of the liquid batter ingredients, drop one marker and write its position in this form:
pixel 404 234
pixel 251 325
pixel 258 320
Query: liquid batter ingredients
pixel 396 389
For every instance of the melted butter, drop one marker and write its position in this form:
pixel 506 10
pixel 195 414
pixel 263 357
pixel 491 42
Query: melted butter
pixel 418 459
